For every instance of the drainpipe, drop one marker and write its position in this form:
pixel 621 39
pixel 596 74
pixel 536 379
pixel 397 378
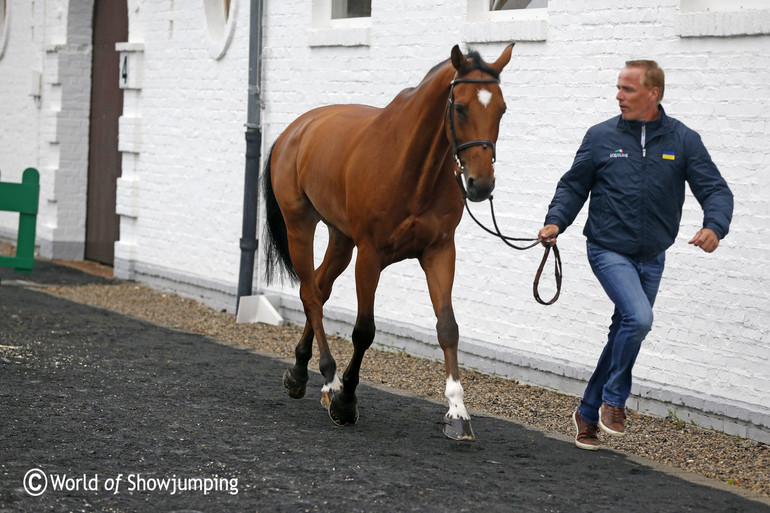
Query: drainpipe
pixel 249 241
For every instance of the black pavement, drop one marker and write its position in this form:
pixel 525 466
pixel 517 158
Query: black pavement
pixel 103 412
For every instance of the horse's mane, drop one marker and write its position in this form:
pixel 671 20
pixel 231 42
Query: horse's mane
pixel 474 61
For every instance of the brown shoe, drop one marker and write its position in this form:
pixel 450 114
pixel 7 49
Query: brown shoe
pixel 612 420
pixel 585 438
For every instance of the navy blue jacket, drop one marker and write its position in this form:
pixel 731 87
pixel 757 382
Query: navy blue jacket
pixel 637 189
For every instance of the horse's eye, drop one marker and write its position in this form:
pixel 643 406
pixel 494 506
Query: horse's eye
pixel 461 110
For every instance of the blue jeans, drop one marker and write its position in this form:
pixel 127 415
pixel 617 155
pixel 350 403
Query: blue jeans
pixel 632 285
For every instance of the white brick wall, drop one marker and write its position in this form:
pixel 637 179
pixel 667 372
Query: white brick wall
pixel 183 173
pixel 20 118
pixel 711 337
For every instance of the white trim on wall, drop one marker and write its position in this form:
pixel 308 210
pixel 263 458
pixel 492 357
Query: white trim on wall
pixel 325 31
pixel 485 25
pixel 715 18
pixel 220 26
pixel 5 22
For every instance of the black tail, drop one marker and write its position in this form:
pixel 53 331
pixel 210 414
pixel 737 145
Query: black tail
pixel 277 242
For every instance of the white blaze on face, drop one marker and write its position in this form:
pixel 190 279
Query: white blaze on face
pixel 454 394
pixel 484 97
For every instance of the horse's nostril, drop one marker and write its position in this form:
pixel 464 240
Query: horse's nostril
pixel 471 182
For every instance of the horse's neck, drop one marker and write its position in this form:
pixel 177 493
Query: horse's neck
pixel 428 152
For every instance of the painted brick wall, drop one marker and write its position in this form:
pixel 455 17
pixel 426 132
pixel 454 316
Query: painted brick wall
pixel 19 112
pixel 711 332
pixel 48 130
pixel 183 131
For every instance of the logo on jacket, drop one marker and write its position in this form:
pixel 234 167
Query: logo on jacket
pixel 621 153
pixel 669 155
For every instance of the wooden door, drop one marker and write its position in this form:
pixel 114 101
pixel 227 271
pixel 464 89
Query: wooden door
pixel 110 26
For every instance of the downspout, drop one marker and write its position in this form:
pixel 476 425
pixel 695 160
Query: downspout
pixel 249 241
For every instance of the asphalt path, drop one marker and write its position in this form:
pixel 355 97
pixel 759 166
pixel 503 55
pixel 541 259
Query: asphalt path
pixel 103 412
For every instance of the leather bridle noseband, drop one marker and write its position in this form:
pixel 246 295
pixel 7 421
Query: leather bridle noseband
pixel 456 149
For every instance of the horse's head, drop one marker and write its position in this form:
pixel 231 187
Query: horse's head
pixel 474 110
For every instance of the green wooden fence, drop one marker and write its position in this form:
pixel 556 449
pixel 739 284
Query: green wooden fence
pixel 22 198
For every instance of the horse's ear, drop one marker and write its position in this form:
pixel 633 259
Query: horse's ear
pixel 504 58
pixel 458 59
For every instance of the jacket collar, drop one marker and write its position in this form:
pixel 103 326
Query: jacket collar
pixel 662 124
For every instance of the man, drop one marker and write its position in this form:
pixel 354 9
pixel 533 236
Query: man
pixel 634 166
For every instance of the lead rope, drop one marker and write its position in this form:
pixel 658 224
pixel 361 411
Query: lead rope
pixel 534 242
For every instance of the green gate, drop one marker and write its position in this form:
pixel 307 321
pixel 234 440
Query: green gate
pixel 22 198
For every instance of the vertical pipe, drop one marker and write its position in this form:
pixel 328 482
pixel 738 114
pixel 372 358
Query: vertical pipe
pixel 249 242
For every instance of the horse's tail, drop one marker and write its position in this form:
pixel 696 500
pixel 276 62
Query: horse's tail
pixel 277 241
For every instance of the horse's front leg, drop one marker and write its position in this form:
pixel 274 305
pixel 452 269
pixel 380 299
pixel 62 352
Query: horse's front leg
pixel 439 266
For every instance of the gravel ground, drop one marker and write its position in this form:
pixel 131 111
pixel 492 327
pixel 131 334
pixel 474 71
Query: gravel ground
pixel 728 459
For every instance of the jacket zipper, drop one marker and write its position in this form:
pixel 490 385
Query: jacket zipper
pixel 644 140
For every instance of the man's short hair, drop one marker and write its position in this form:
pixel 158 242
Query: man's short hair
pixel 652 75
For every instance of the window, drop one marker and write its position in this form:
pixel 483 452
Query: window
pixel 506 20
pixel 220 21
pixel 341 23
pixel 3 26
pixel 504 5
pixel 718 18
pixel 351 9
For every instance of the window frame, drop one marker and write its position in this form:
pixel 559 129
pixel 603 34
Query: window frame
pixel 485 25
pixel 328 31
pixel 714 18
pixel 5 20
pixel 220 25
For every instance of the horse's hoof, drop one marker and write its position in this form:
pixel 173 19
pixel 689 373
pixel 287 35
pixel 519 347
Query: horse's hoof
pixel 294 388
pixel 459 429
pixel 343 413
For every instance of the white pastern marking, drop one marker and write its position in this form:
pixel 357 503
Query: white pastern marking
pixel 334 386
pixel 454 394
pixel 484 97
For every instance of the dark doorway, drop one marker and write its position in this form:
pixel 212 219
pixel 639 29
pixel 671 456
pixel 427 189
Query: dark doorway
pixel 110 26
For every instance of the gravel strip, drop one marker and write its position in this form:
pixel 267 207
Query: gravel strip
pixel 726 458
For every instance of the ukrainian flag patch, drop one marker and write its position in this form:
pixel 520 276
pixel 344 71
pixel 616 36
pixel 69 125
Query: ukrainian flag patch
pixel 669 155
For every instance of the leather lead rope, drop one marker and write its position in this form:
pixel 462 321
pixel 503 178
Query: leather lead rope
pixel 534 242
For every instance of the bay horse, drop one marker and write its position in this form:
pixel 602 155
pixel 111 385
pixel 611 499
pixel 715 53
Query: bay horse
pixel 383 180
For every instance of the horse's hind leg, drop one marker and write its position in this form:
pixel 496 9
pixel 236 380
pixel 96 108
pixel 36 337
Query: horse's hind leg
pixel 335 261
pixel 295 378
pixel 343 408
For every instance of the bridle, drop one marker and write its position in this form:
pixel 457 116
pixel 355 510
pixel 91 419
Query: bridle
pixel 456 149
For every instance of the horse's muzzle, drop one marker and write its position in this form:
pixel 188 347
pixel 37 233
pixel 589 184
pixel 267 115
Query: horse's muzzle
pixel 480 189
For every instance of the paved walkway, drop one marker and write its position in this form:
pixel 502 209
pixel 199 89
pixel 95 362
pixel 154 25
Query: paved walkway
pixel 103 412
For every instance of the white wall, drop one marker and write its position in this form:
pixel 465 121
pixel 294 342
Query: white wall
pixel 182 134
pixel 709 347
pixel 19 111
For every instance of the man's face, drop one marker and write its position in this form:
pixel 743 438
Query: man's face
pixel 637 103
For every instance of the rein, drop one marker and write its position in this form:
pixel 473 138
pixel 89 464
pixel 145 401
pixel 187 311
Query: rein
pixel 456 149
pixel 533 242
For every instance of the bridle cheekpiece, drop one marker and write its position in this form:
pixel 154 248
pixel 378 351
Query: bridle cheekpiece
pixel 457 148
